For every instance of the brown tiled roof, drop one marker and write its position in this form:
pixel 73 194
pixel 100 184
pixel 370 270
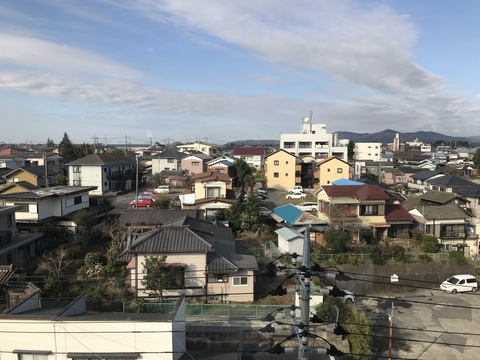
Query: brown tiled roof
pixel 396 212
pixel 365 192
pixel 211 175
pixel 249 151
pixel 215 199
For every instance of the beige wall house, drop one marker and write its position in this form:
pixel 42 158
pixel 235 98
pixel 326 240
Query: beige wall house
pixel 34 175
pixel 282 170
pixel 212 150
pixel 332 169
pixel 204 255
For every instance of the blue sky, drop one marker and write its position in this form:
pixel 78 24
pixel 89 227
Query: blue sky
pixel 215 70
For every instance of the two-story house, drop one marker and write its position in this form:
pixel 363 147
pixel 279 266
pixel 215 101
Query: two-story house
pixel 282 170
pixel 14 246
pixel 213 191
pixel 51 205
pixel 447 216
pixel 168 159
pixel 330 170
pixel 195 163
pixel 38 176
pixel 53 160
pixel 105 172
pixel 205 255
pixel 253 156
pixel 419 179
pixel 352 206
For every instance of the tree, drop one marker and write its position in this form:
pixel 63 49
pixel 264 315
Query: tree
pixel 61 180
pixel 66 148
pixel 162 201
pixel 250 216
pixel 85 223
pixel 476 157
pixel 82 150
pixel 50 145
pixel 244 175
pixel 233 215
pixel 157 275
pixel 429 244
pixel 118 234
pixel 336 241
pixel 351 150
pixel 54 263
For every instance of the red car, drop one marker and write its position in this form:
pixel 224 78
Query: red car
pixel 142 202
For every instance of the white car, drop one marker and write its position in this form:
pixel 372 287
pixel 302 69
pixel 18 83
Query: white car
pixel 162 189
pixel 308 206
pixel 460 283
pixel 295 195
pixel 297 188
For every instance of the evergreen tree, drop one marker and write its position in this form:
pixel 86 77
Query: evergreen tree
pixel 50 145
pixel 351 150
pixel 66 148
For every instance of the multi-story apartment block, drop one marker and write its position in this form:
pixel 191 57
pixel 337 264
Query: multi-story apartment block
pixel 368 151
pixel 314 141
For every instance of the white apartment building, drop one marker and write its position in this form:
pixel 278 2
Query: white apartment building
pixel 212 150
pixel 314 141
pixel 368 151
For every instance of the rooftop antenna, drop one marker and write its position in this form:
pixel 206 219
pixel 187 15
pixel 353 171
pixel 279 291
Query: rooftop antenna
pixel 308 119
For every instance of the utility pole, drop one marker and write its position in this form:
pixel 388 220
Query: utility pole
pixel 126 144
pixel 45 164
pixel 136 182
pixel 304 295
pixel 94 143
pixel 390 335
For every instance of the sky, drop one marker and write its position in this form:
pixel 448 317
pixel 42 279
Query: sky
pixel 220 71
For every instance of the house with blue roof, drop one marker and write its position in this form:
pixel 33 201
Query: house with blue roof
pixel 346 182
pixel 225 165
pixel 292 217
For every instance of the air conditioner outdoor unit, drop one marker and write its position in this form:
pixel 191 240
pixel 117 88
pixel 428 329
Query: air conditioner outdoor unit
pixel 15 232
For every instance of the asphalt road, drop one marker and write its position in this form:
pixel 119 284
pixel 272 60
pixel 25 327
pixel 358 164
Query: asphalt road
pixel 426 324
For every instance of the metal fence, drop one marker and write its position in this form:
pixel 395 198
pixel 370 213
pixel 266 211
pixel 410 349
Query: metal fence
pixel 366 257
pixel 236 311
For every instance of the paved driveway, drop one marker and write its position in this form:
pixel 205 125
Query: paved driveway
pixel 453 319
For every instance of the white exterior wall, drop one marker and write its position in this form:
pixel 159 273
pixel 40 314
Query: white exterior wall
pixel 89 176
pixel 322 145
pixel 153 339
pixel 294 245
pixel 158 165
pixel 67 208
pixel 368 151
pixel 257 161
pixel 20 215
pixel 194 270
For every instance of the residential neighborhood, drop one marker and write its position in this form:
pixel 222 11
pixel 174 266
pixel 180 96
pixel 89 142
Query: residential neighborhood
pixel 218 218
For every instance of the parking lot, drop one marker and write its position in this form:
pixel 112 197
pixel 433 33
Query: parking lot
pixel 426 324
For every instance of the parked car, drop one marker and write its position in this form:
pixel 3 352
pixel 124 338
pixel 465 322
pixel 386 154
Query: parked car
pixel 162 189
pixel 460 283
pixel 295 195
pixel 149 193
pixel 308 206
pixel 258 197
pixel 259 194
pixel 263 211
pixel 297 188
pixel 142 202
pixel 261 191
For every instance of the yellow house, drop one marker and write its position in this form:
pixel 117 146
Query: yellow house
pixel 34 175
pixel 331 169
pixel 348 206
pixel 282 170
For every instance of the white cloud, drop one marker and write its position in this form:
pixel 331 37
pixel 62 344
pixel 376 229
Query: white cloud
pixel 38 53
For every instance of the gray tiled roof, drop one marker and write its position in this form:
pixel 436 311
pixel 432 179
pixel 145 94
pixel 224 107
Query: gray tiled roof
pixel 171 153
pixel 443 212
pixel 440 197
pixel 157 216
pixel 425 174
pixel 102 159
pixel 46 192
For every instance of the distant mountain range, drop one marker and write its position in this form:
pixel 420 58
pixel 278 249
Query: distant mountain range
pixel 385 137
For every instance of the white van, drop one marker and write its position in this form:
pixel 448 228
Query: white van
pixel 460 283
pixel 162 189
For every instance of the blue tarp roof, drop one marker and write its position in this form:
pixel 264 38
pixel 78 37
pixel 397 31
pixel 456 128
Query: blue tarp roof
pixel 288 212
pixel 344 181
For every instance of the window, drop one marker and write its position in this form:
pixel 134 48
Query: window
pixel 276 162
pixel 16 179
pixel 275 175
pixel 32 354
pixel 170 161
pixel 328 181
pixel 428 229
pixel 240 281
pixel 105 184
pixel 286 162
pixel 286 174
pixel 77 182
pixel 9 221
pixel 9 259
pixel 339 170
pixel 328 170
pixel 213 192
pixel 195 163
pixel 77 169
pixel 368 209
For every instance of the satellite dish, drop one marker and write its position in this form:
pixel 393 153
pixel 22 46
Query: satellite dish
pixel 306 119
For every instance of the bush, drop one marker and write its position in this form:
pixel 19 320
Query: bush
pixel 395 252
pixel 424 258
pixel 429 244
pixel 368 236
pixel 376 254
pixel 340 259
pixel 457 257
pixel 336 241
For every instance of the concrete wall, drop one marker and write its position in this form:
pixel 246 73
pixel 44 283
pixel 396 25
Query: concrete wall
pixel 369 278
